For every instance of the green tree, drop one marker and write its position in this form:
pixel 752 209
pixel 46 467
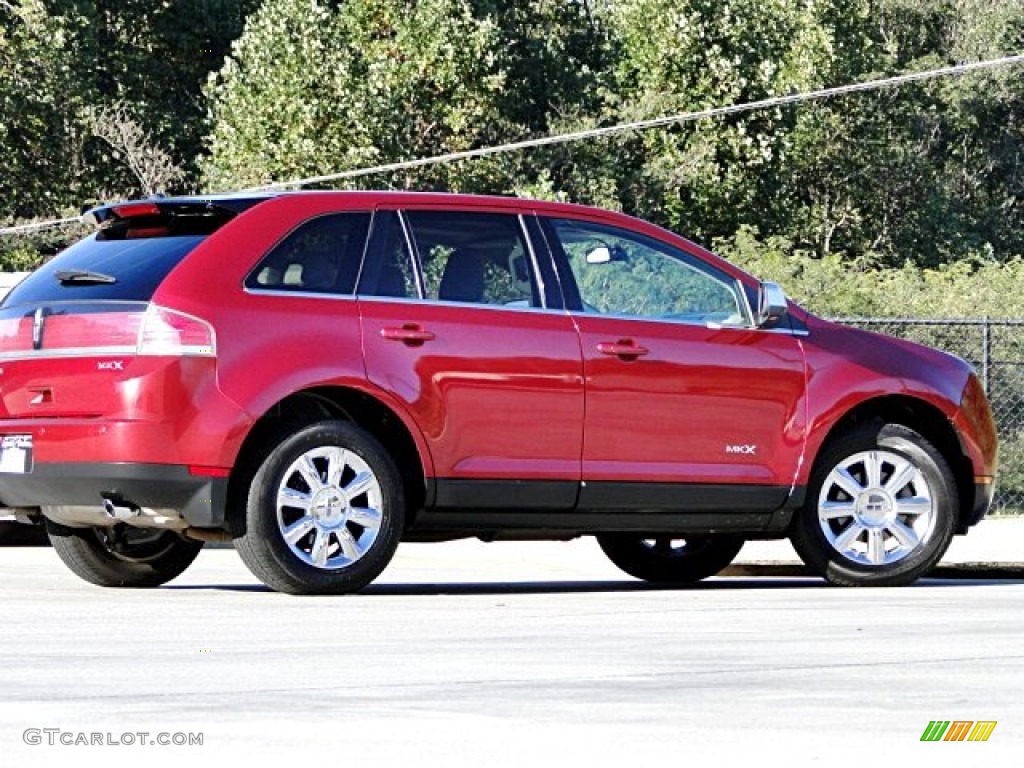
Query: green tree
pixel 314 87
pixel 926 172
pixel 102 100
pixel 106 100
pixel 38 140
pixel 707 178
pixel 70 68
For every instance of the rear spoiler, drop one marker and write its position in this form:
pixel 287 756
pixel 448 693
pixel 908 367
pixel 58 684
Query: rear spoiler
pixel 226 207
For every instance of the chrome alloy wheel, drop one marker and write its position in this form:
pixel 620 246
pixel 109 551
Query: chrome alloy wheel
pixel 876 508
pixel 329 507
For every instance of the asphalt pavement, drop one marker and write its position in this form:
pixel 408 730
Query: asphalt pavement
pixel 510 654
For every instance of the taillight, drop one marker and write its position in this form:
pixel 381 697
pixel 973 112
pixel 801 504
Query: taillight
pixel 15 334
pixel 167 332
pixel 95 331
pixel 101 328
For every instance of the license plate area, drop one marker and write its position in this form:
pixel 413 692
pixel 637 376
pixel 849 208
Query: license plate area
pixel 15 454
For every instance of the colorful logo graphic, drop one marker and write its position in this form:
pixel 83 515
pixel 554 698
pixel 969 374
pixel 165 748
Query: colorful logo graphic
pixel 958 730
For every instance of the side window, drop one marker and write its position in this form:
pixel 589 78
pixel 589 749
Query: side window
pixel 624 273
pixel 476 258
pixel 388 271
pixel 322 255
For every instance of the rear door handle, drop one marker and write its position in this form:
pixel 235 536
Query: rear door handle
pixel 626 349
pixel 409 334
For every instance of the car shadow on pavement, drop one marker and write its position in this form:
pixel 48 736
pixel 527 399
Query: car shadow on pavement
pixel 577 587
pixel 21 535
pixel 427 589
pixel 533 587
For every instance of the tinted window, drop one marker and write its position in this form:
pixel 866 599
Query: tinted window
pixel 476 258
pixel 136 266
pixel 623 273
pixel 388 271
pixel 320 256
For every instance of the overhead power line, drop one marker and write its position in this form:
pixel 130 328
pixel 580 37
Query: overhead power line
pixel 638 125
pixel 39 225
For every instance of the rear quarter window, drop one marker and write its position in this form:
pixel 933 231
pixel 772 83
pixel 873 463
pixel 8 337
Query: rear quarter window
pixel 321 255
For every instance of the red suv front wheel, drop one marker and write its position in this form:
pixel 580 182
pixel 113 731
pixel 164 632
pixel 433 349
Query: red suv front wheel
pixel 880 509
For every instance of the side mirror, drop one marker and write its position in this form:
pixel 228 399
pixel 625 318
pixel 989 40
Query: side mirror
pixel 771 304
pixel 604 254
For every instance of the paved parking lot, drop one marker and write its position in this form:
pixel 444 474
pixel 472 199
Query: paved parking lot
pixel 467 654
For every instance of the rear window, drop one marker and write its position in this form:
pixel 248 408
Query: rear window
pixel 136 247
pixel 123 269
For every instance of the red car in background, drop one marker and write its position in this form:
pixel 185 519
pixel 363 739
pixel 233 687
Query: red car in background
pixel 319 375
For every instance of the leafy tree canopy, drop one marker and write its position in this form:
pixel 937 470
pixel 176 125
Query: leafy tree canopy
pixel 107 100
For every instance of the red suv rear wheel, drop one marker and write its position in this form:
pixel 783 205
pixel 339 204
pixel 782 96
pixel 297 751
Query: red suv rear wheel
pixel 325 511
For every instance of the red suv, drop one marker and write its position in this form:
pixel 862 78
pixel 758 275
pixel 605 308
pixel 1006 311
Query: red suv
pixel 318 375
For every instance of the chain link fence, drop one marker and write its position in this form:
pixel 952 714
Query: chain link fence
pixel 996 350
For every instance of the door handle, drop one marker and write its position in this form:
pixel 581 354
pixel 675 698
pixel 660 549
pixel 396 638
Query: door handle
pixel 626 349
pixel 409 334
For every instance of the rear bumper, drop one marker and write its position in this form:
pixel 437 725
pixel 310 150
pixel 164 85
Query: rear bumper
pixel 200 500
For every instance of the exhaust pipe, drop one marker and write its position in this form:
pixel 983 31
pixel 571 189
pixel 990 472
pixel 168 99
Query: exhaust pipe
pixel 115 511
pixel 119 511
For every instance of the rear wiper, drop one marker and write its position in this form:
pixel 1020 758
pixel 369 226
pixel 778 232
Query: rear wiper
pixel 83 277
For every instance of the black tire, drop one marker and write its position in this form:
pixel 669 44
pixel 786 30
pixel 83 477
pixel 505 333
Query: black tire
pixel 906 546
pixel 670 559
pixel 123 556
pixel 307 566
